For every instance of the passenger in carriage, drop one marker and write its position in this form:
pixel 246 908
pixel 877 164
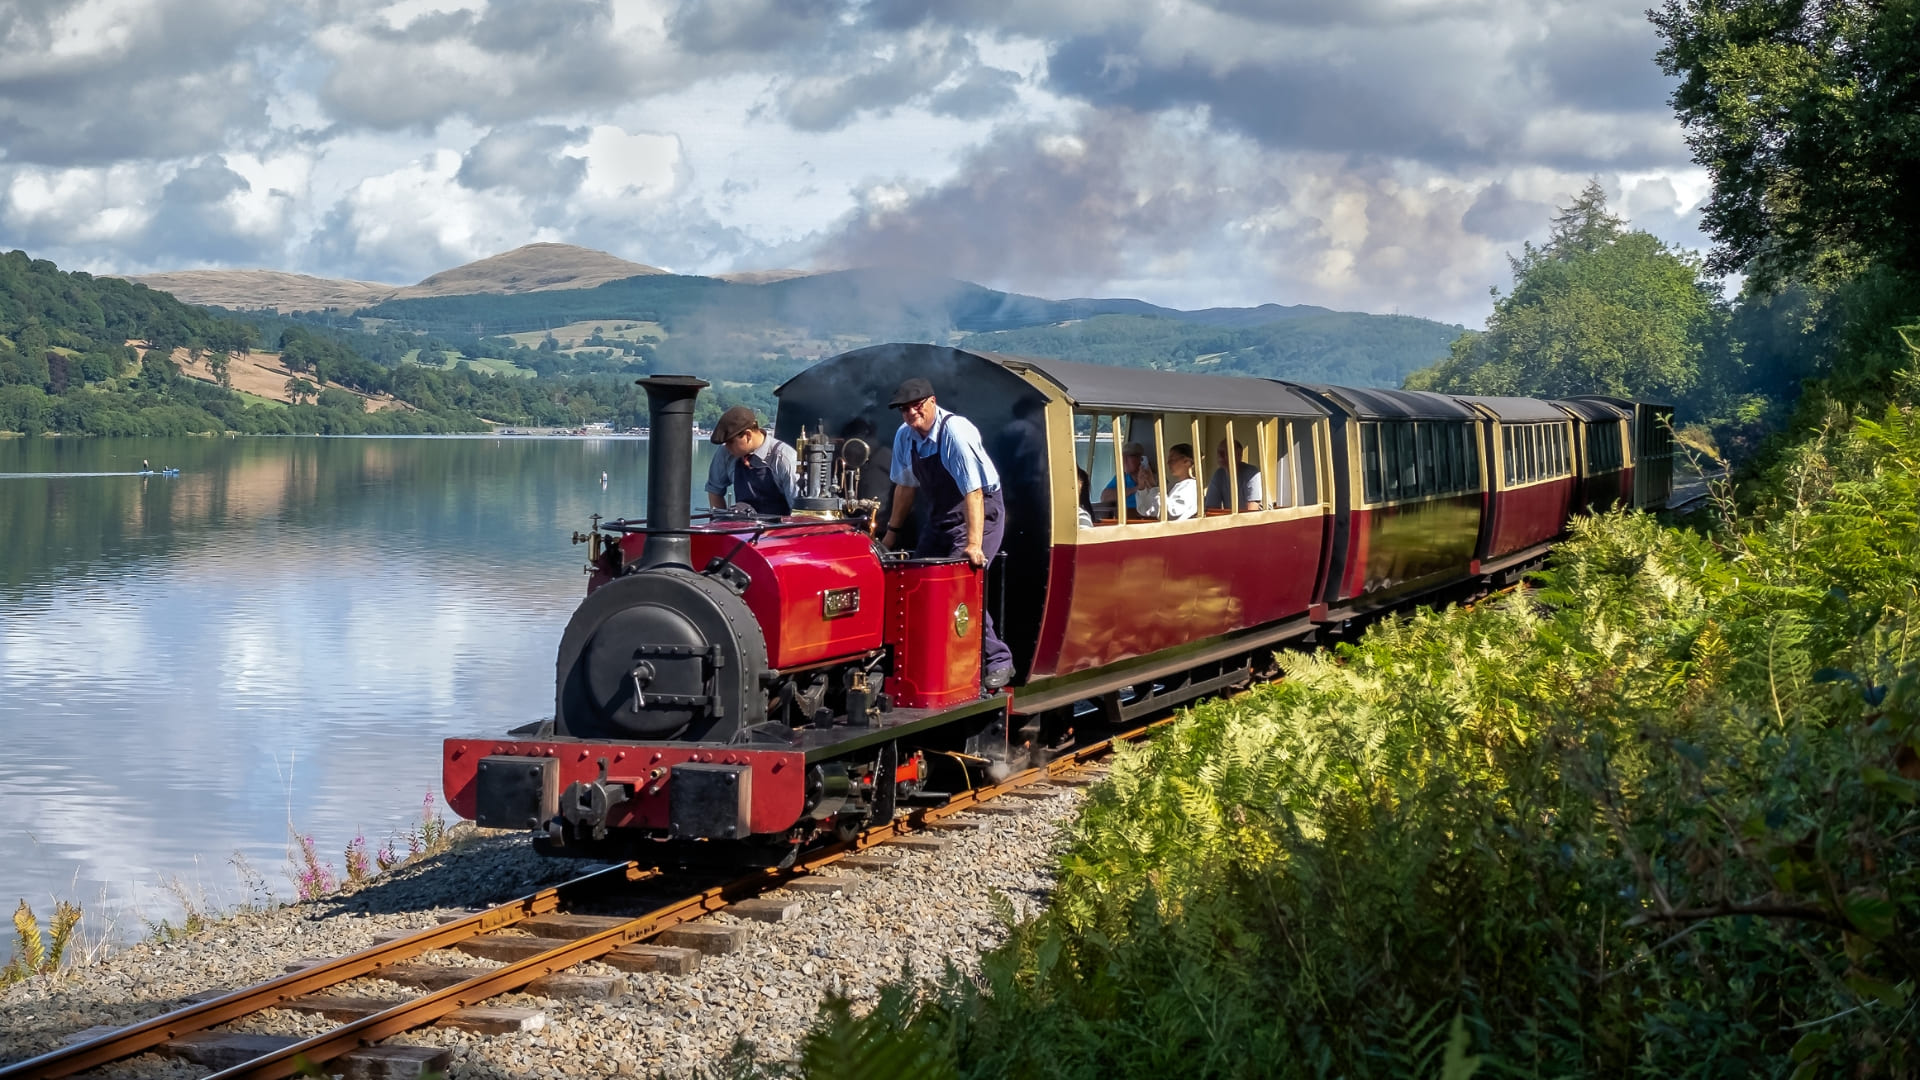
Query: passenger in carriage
pixel 1132 458
pixel 1183 497
pixel 1218 485
pixel 940 453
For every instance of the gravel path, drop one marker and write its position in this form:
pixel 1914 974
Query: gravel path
pixel 938 906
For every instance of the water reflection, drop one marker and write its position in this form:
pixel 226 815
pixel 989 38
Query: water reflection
pixel 279 636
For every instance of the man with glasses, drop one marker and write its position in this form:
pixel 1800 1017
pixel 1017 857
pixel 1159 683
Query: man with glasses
pixel 940 453
pixel 763 471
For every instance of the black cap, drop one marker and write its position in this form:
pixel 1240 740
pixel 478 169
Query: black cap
pixel 733 422
pixel 911 391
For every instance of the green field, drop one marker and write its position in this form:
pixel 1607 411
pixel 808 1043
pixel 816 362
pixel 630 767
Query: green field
pixel 575 335
pixel 448 360
pixel 256 399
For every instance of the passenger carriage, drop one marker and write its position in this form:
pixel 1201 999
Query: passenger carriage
pixel 1406 496
pixel 1603 463
pixel 1530 479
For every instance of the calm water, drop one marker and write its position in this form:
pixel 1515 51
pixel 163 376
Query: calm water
pixel 278 637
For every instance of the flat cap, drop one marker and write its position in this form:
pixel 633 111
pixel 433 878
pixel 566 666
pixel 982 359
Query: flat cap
pixel 733 422
pixel 911 391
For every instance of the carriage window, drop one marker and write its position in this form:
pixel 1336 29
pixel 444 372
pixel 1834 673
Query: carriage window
pixel 1277 484
pixel 1099 460
pixel 1370 465
pixel 1423 435
pixel 1507 455
pixel 1457 456
pixel 1139 430
pixel 1306 463
pixel 1409 460
pixel 1391 460
pixel 1533 452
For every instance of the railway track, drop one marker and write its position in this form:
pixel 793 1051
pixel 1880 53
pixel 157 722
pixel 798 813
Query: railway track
pixel 595 938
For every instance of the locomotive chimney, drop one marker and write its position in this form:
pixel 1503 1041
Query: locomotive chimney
pixel 669 469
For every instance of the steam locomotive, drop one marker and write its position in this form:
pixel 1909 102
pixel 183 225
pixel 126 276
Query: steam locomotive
pixel 765 683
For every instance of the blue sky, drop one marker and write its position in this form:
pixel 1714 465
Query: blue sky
pixel 1380 155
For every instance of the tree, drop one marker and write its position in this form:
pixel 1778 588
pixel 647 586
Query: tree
pixel 1807 115
pixel 221 365
pixel 299 390
pixel 1599 309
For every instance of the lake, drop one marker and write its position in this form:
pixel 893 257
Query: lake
pixel 275 640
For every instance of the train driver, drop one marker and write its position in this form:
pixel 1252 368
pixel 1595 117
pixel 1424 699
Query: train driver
pixel 940 453
pixel 763 471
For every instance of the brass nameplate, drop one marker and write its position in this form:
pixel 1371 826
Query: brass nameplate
pixel 835 603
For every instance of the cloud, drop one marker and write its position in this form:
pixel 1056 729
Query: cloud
pixel 1355 152
pixel 901 71
pixel 507 62
pixel 104 81
pixel 985 91
pixel 1165 208
pixel 526 158
pixel 710 27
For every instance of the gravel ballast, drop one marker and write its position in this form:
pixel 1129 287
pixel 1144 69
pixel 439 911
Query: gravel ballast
pixel 937 907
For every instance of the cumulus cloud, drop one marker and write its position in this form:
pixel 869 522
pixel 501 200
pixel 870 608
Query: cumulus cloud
pixel 102 81
pixel 1189 215
pixel 505 62
pixel 1363 153
pixel 527 158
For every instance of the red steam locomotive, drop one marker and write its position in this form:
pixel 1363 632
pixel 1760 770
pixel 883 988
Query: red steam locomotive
pixel 775 680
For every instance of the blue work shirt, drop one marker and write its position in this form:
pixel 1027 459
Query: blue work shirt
pixel 774 453
pixel 960 451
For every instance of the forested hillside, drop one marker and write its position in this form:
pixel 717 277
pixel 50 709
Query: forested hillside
pixel 1332 347
pixel 66 365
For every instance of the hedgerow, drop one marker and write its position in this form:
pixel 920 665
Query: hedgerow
pixel 1655 815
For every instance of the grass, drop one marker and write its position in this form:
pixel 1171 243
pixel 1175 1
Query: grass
pixel 450 360
pixel 256 399
pixel 574 335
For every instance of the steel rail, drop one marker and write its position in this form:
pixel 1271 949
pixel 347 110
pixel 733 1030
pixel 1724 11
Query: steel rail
pixel 148 1034
pixel 423 1010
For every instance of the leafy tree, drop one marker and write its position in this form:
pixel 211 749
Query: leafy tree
pixel 341 400
pixel 1807 114
pixel 221 364
pixel 1599 309
pixel 299 390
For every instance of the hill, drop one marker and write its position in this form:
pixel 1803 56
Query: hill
pixel 530 268
pixel 274 289
pixel 1346 348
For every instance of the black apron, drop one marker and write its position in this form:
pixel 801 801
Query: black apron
pixel 946 533
pixel 753 484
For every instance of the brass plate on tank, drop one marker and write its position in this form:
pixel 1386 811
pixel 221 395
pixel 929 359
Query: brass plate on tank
pixel 838 603
pixel 962 619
